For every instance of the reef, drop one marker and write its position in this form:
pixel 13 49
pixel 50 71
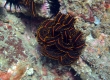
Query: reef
pixel 21 55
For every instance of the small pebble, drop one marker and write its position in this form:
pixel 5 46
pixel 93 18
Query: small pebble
pixel 89 38
pixel 97 20
pixel 30 71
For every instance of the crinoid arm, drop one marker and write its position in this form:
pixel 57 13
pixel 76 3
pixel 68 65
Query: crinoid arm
pixel 15 3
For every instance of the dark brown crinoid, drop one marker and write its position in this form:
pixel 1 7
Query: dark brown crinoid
pixel 26 3
pixel 60 40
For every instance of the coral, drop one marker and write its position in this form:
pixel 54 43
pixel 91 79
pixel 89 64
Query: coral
pixel 3 62
pixel 91 17
pixel 50 8
pixel 1 23
pixel 5 75
pixel 95 58
pixel 30 71
pixel 107 5
pixel 45 9
pixel 19 71
pixel 60 40
pixel 14 73
pixel 10 45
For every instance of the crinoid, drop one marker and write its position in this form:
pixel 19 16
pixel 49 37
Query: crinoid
pixel 60 40
pixel 27 3
pixel 13 2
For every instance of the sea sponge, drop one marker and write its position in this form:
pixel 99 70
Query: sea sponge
pixel 60 40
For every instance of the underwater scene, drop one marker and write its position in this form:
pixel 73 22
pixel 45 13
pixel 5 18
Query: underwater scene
pixel 54 39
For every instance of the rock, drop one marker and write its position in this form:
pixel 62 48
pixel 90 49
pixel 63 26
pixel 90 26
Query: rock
pixel 30 71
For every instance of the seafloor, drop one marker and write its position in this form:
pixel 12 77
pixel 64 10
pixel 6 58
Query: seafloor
pixel 20 58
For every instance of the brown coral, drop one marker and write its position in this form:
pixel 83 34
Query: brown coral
pixel 60 40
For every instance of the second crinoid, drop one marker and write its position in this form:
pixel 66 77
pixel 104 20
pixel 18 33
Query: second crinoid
pixel 60 40
pixel 26 3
